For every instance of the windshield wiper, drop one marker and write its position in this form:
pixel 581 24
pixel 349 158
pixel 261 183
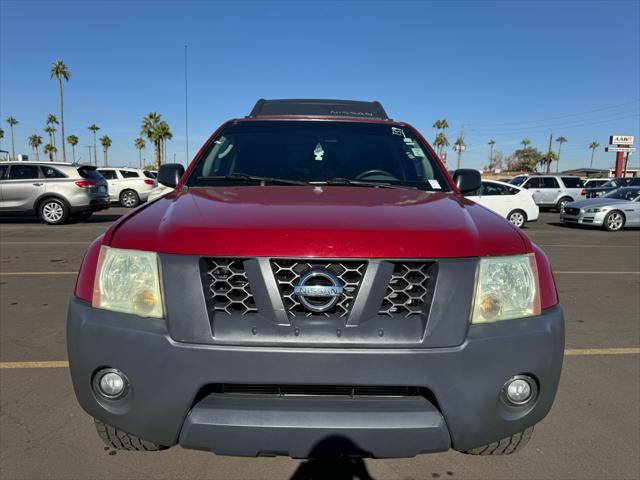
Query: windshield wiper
pixel 237 176
pixel 359 183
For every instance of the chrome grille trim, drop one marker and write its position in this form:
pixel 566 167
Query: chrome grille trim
pixel 228 286
pixel 287 273
pixel 407 290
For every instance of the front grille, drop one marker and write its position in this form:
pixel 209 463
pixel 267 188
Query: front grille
pixel 317 390
pixel 407 290
pixel 288 273
pixel 227 286
pixel 571 211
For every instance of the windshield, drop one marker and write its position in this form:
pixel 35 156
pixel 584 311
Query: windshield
pixel 613 183
pixel 318 152
pixel 625 193
pixel 517 181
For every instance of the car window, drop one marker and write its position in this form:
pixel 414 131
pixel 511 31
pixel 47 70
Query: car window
pixel 572 182
pixel 90 172
pixel 517 181
pixel 50 172
pixel 149 174
pixel 23 172
pixel 3 169
pixel 624 193
pixel 532 183
pixel 128 174
pixel 549 182
pixel 109 174
pixel 317 152
pixel 494 189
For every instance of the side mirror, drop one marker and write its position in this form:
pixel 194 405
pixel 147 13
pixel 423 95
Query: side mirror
pixel 467 180
pixel 170 174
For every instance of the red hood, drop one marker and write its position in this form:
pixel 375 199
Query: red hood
pixel 290 221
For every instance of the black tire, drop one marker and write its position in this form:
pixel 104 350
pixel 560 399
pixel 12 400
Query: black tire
pixel 562 202
pixel 53 211
pixel 82 216
pixel 517 218
pixel 115 438
pixel 614 221
pixel 129 198
pixel 506 446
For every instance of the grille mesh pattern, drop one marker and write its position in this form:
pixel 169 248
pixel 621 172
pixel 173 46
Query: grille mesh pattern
pixel 571 210
pixel 229 287
pixel 407 290
pixel 288 272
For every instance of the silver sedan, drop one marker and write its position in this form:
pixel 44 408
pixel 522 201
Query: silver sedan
pixel 617 209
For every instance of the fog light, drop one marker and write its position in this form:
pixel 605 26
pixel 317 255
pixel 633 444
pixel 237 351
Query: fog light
pixel 110 383
pixel 519 390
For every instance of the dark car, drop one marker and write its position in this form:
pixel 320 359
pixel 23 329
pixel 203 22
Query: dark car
pixel 316 284
pixel 611 185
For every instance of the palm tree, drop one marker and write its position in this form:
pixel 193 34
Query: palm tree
pixel 35 141
pixel 560 140
pixel 593 147
pixel 459 147
pixel 60 71
pixel 50 150
pixel 12 122
pixel 140 144
pixel 547 159
pixel 525 143
pixel 94 128
pixel 106 143
pixel 73 141
pixel 149 129
pixel 52 141
pixel 441 142
pixel 164 134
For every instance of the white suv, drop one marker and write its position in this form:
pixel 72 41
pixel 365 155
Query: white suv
pixel 129 186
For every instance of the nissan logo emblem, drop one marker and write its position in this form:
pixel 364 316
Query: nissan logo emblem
pixel 318 290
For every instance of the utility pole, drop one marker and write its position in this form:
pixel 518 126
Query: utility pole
pixel 548 163
pixel 186 111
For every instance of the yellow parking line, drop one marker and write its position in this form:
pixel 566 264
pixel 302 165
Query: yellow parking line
pixel 593 272
pixel 50 364
pixel 601 351
pixel 15 274
pixel 574 352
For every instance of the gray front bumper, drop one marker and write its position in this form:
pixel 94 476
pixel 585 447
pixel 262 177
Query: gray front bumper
pixel 166 377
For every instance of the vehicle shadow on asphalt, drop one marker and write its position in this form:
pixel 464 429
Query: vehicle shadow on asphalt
pixel 96 218
pixel 328 461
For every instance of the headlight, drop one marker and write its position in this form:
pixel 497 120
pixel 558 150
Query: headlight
pixel 128 281
pixel 594 210
pixel 506 287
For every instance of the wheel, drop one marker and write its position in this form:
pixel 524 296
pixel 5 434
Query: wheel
pixel 115 438
pixel 82 216
pixel 53 211
pixel 506 446
pixel 614 221
pixel 129 199
pixel 517 218
pixel 562 202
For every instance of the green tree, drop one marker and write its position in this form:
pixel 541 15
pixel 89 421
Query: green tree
pixel 560 141
pixel 52 120
pixel 140 144
pixel 51 131
pixel 12 123
pixel 524 159
pixel 35 141
pixel 525 143
pixel 50 150
pixel 441 140
pixel 593 145
pixel 164 134
pixel 94 128
pixel 105 141
pixel 547 159
pixel 149 129
pixel 73 141
pixel 459 146
pixel 60 71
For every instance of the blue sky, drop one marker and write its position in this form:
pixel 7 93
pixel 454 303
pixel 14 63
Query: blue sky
pixel 504 70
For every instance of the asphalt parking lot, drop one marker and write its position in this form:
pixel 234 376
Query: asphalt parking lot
pixel 593 430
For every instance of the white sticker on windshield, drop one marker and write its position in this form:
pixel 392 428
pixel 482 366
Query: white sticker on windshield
pixel 435 184
pixel 408 141
pixel 318 152
pixel 417 151
pixel 397 131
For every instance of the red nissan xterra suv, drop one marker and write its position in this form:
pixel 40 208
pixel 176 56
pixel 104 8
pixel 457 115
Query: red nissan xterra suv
pixel 316 284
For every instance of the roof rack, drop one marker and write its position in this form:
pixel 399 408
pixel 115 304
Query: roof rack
pixel 320 108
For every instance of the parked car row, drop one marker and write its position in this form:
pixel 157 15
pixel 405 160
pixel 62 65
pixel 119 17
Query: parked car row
pixel 58 192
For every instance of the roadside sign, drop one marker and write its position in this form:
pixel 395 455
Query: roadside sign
pixel 621 140
pixel 620 149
